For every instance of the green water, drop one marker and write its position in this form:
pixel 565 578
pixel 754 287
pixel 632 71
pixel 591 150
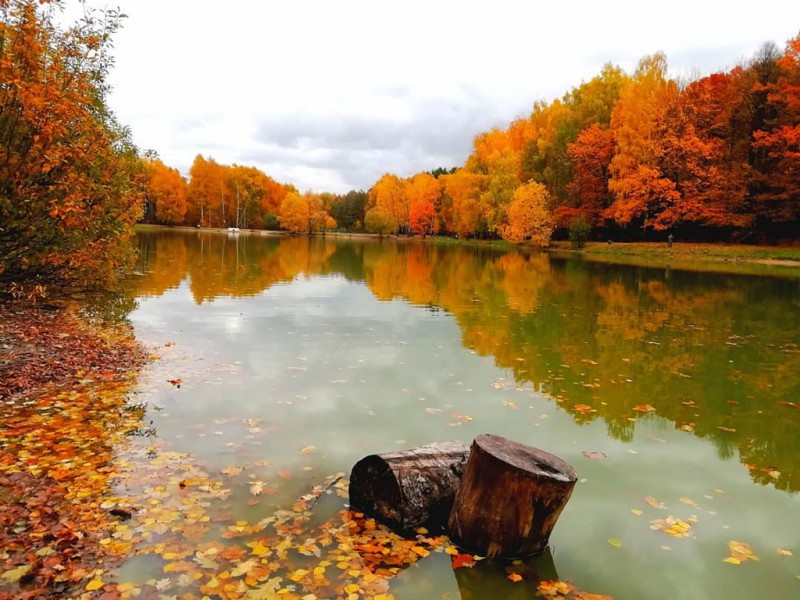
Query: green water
pixel 299 356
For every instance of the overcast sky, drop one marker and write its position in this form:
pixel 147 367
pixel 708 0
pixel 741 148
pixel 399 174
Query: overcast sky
pixel 328 95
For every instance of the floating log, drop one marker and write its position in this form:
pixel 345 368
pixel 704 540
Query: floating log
pixel 510 498
pixel 409 488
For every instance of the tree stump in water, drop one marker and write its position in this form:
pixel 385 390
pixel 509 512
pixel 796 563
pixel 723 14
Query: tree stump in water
pixel 409 488
pixel 510 498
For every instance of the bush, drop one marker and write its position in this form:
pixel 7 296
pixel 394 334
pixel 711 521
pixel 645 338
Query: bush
pixel 579 230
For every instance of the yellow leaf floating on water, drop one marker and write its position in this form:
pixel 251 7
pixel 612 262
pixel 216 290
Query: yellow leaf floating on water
pixel 94 584
pixel 688 501
pixel 740 552
pixel 515 577
pixel 785 552
pixel 420 550
pixel 673 526
pixel 615 542
pixel 636 511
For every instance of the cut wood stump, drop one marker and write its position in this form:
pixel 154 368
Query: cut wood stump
pixel 510 498
pixel 409 488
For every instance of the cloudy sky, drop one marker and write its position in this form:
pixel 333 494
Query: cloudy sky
pixel 329 95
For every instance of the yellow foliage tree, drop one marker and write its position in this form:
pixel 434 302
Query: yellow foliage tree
pixel 528 217
pixel 294 213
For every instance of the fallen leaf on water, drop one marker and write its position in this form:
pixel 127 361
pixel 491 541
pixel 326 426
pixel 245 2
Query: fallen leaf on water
pixel 673 526
pixel 462 560
pixel 583 409
pixel 230 471
pixel 740 552
pixel 636 511
pixel 515 577
pixel 688 501
pixel 615 542
pixel 308 449
pixel 176 382
pixel 653 502
pixel 728 429
pixel 594 455
pixel 785 552
pixel 644 408
pixel 510 404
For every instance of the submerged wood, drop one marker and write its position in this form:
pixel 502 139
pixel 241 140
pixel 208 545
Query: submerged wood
pixel 510 497
pixel 409 488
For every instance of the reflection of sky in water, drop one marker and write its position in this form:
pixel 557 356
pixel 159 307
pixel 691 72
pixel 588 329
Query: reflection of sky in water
pixel 320 361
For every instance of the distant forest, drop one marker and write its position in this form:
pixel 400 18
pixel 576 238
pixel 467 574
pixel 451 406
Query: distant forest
pixel 623 156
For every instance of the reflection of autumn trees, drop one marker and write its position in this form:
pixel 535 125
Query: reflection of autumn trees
pixel 714 354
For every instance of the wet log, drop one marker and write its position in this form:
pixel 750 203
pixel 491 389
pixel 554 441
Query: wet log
pixel 409 489
pixel 510 497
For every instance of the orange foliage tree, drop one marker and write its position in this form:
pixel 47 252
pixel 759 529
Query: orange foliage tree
pixel 779 197
pixel 591 156
pixel 640 189
pixel 294 213
pixel 70 178
pixel 165 193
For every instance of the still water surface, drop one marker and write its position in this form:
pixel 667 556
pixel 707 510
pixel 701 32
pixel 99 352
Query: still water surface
pixel 299 356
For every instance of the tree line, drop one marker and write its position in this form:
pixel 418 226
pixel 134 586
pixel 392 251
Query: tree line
pixel 624 156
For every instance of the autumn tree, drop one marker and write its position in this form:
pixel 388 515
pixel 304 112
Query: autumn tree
pixel 294 213
pixel 463 189
pixel 70 179
pixel 778 195
pixel 528 216
pixel 424 194
pixel 165 192
pixel 376 221
pixel 388 195
pixel 591 156
pixel 641 191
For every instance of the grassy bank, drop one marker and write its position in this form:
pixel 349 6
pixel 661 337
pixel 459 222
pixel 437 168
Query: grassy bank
pixel 768 260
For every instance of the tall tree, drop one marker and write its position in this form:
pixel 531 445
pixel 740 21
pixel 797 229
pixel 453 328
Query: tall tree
pixel 70 178
pixel 528 217
pixel 641 191
pixel 388 195
pixel 166 191
pixel 778 196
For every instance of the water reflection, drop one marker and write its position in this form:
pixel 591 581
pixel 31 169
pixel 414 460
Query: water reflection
pixel 715 354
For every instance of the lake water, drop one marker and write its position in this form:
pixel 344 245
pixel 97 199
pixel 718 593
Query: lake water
pixel 675 395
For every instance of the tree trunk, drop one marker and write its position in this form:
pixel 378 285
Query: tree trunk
pixel 510 498
pixel 410 488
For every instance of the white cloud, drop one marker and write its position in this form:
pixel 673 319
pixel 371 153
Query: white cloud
pixel 329 95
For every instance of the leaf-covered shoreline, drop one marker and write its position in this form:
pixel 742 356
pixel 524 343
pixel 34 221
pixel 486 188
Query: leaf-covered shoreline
pixel 64 385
